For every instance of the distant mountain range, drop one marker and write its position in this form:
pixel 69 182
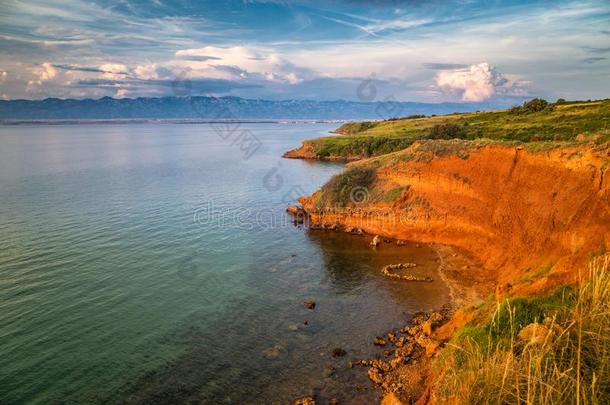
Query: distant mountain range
pixel 221 108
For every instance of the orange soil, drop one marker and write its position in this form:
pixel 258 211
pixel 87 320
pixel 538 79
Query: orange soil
pixel 517 212
pixel 307 151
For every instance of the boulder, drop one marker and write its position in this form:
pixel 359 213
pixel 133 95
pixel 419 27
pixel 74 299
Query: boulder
pixel 293 209
pixel 304 401
pixel 375 375
pixel 534 333
pixel 426 328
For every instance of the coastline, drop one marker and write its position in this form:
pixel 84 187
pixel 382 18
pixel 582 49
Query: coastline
pixel 450 202
pixel 402 367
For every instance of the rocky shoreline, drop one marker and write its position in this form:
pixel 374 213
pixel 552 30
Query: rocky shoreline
pixel 401 369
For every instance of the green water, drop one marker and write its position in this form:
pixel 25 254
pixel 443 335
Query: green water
pixel 153 263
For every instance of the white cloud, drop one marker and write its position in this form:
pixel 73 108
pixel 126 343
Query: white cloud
pixel 239 62
pixel 478 82
pixel 45 72
pixel 113 71
pixel 146 72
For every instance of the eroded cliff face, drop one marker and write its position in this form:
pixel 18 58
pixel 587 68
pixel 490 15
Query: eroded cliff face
pixel 520 213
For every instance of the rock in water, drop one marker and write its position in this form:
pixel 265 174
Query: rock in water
pixel 329 371
pixel 310 304
pixel 378 341
pixel 293 209
pixel 274 352
pixel 375 375
pixel 376 241
pixel 339 352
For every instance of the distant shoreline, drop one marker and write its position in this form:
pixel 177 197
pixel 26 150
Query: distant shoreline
pixel 124 121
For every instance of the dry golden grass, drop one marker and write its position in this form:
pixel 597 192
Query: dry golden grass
pixel 571 365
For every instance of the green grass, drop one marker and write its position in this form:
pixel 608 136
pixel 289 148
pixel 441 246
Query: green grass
pixel 510 316
pixel 556 123
pixel 362 146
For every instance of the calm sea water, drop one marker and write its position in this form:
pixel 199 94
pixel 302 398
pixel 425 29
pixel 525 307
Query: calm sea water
pixel 154 263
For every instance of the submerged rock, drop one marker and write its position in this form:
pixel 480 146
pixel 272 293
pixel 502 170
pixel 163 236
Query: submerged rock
pixel 339 352
pixel 310 304
pixel 387 271
pixel 274 352
pixel 329 371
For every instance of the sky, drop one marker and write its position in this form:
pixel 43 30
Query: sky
pixel 426 51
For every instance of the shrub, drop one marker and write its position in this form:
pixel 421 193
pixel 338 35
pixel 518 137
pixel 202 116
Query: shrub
pixel 363 146
pixel 342 189
pixel 447 131
pixel 533 106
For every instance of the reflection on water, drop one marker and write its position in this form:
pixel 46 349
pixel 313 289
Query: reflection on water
pixel 110 292
pixel 273 349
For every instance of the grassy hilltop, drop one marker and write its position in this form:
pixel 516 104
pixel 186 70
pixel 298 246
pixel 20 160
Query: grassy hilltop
pixel 535 121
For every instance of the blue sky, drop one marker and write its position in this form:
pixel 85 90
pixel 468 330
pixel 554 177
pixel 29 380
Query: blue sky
pixel 434 51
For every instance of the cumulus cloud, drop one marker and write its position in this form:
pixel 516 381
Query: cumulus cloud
pixel 239 62
pixel 45 72
pixel 478 83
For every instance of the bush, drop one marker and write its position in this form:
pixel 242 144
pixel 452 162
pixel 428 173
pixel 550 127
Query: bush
pixel 343 188
pixel 532 106
pixel 447 131
pixel 362 146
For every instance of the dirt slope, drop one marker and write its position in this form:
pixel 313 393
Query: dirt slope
pixel 528 216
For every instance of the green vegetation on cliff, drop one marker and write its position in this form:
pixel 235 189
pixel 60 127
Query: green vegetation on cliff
pixel 534 121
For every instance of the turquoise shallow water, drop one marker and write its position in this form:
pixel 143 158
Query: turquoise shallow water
pixel 154 263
